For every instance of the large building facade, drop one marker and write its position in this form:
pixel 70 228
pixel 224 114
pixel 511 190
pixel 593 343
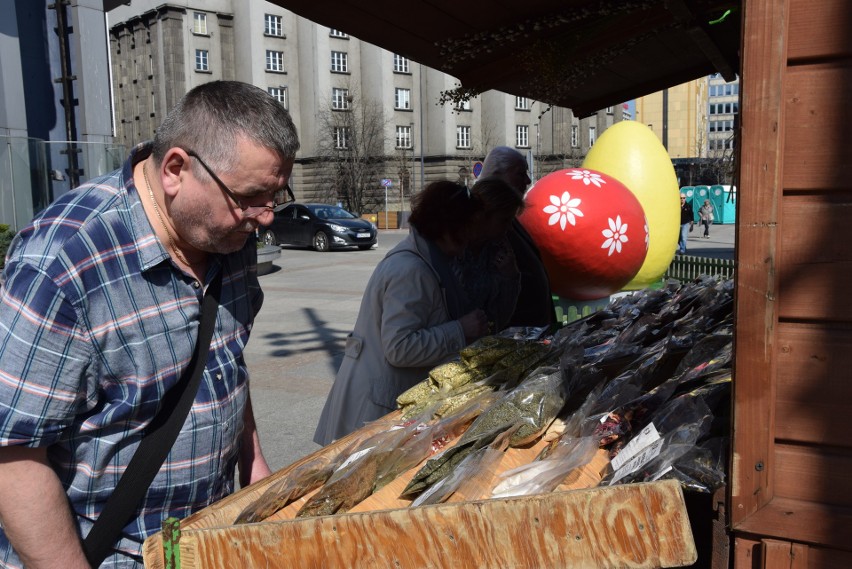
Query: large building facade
pixel 55 120
pixel 697 123
pixel 159 51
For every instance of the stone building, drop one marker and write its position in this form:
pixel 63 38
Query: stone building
pixel 161 50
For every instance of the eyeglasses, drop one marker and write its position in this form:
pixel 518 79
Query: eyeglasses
pixel 281 198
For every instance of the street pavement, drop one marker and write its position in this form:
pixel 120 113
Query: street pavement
pixel 311 302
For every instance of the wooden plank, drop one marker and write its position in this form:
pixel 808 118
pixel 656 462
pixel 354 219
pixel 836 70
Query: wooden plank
pixel 747 553
pixel 784 555
pixel 814 392
pixel 758 217
pixel 817 292
pixel 821 221
pixel 814 474
pixel 822 32
pixel 829 558
pixel 226 510
pixel 818 154
pixel 806 522
pixel 635 525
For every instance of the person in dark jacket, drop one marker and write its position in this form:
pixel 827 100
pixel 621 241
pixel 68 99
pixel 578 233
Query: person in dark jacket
pixel 535 300
pixel 686 221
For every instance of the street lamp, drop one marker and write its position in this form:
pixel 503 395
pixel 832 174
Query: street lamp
pixel 413 162
pixel 422 148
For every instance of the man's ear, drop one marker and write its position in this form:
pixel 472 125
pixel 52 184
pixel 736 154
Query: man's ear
pixel 173 170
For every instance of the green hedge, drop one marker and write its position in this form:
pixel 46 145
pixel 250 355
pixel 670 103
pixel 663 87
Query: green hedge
pixel 5 240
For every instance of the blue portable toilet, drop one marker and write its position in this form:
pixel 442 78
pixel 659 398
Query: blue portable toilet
pixel 724 199
pixel 701 193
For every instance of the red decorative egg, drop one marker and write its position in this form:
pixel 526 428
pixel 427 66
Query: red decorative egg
pixel 591 231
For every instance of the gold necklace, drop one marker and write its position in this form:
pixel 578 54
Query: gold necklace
pixel 163 223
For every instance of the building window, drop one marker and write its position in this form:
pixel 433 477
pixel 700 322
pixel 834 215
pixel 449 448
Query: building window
pixel 403 137
pixel 337 34
pixel 575 136
pixel 402 98
pixel 463 137
pixel 341 137
pixel 340 99
pixel 522 136
pixel 593 133
pixel 202 60
pixel 199 23
pixel 463 105
pixel 272 25
pixel 339 62
pixel 400 64
pixel 279 94
pixel 275 61
pixel 522 103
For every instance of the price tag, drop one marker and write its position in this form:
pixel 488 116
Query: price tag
pixel 648 436
pixel 647 454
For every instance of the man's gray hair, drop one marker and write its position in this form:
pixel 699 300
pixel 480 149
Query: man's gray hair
pixel 212 117
pixel 500 160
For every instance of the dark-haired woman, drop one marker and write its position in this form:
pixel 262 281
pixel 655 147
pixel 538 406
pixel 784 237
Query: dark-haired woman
pixel 412 316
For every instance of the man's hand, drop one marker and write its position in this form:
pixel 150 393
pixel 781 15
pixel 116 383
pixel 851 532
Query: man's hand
pixel 252 463
pixel 474 324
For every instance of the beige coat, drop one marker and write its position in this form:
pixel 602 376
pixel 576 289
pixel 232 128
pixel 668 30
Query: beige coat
pixel 403 330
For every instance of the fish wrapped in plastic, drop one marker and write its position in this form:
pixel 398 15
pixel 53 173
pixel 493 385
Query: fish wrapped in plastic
pixel 475 466
pixel 533 404
pixel 545 475
pixel 301 480
pixel 355 478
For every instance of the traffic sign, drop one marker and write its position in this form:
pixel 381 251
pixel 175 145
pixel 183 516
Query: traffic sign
pixel 386 182
pixel 477 169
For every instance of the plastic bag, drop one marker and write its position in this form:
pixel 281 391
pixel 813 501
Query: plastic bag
pixel 532 405
pixel 542 476
pixel 477 465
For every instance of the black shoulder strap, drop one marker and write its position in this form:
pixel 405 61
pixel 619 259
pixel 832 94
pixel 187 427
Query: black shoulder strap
pixel 156 442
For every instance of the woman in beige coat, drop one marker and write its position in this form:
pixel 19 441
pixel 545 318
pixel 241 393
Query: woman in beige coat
pixel 705 214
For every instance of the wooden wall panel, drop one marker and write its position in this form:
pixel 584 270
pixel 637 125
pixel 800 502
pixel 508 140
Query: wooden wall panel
pixel 814 394
pixel 817 153
pixel 762 131
pixel 822 558
pixel 832 19
pixel 815 259
pixel 814 474
pixel 784 555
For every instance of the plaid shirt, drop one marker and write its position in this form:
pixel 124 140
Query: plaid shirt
pixel 96 324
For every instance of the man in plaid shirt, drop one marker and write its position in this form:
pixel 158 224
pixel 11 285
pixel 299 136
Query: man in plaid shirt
pixel 99 317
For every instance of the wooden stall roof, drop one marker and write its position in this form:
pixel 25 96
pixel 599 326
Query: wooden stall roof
pixel 580 54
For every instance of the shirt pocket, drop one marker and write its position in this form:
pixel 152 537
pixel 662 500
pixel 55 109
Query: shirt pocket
pixel 353 346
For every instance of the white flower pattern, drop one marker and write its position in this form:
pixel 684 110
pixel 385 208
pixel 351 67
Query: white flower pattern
pixel 563 210
pixel 615 235
pixel 587 177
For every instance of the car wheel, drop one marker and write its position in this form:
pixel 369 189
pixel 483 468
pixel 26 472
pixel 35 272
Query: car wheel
pixel 321 242
pixel 269 238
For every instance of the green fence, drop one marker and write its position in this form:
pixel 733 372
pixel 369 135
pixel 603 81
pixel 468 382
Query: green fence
pixel 682 268
pixel 688 267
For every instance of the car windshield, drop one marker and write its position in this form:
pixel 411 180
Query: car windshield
pixel 331 212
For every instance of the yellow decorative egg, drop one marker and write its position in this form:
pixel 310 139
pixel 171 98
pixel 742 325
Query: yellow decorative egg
pixel 631 153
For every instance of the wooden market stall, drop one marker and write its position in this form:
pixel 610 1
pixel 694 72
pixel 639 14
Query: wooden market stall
pixel 789 496
pixel 791 479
